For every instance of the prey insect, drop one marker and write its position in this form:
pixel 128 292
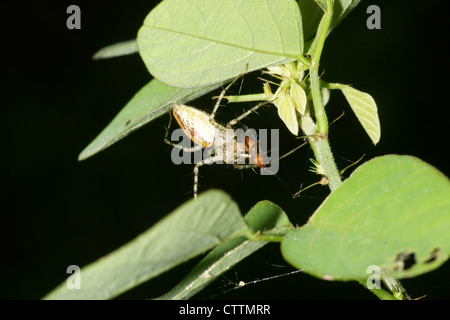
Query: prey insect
pixel 221 141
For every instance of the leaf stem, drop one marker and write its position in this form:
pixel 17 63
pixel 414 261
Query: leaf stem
pixel 304 61
pixel 263 237
pixel 380 293
pixel 332 86
pixel 248 97
pixel 396 288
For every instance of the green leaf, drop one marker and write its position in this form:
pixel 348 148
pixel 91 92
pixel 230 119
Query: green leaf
pixel 116 50
pixel 193 228
pixel 391 208
pixel 187 43
pixel 265 217
pixel 341 9
pixel 286 109
pixel 152 101
pixel 365 110
pixel 312 14
pixel 298 97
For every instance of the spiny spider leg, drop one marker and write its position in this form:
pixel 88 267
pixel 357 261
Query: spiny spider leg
pixel 210 160
pixel 222 94
pixel 245 114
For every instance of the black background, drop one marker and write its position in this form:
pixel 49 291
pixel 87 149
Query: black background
pixel 55 99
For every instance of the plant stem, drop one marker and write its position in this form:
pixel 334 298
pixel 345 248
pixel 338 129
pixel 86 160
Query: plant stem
pixel 319 110
pixel 321 118
pixel 322 151
pixel 318 132
pixel 318 135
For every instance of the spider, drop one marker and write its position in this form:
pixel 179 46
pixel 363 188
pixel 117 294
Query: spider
pixel 223 144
